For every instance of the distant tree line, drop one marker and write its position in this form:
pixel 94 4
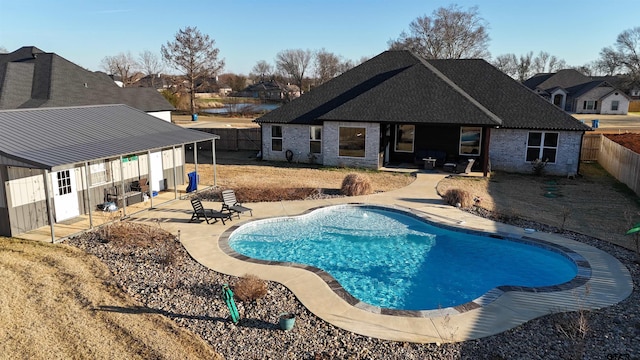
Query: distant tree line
pixel 448 33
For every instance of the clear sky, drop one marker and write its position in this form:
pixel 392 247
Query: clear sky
pixel 85 31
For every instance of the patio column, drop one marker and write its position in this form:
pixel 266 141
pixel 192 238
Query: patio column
pixel 485 151
pixel 49 206
pixel 88 182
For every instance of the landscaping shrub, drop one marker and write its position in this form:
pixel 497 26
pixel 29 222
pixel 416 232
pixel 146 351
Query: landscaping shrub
pixel 356 184
pixel 458 196
pixel 250 288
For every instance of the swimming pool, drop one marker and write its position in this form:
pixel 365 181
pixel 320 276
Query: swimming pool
pixel 395 260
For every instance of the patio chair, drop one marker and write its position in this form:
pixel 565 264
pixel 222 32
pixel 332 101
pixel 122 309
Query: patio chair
pixel 231 205
pixel 459 167
pixel 199 213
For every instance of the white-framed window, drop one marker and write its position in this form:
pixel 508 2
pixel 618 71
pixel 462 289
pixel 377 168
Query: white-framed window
pixel 352 141
pixel 64 182
pixel 470 140
pixel 542 145
pixel 405 137
pixel 614 105
pixel 590 104
pixel 315 139
pixel 99 173
pixel 276 138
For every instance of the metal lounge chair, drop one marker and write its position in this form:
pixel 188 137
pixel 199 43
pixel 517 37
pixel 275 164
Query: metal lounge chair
pixel 231 205
pixel 199 213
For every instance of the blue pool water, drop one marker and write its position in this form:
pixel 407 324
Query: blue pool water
pixel 391 260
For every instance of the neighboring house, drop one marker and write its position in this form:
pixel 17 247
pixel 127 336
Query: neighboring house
pixel 57 163
pixel 397 108
pixel 31 78
pixel 270 90
pixel 575 92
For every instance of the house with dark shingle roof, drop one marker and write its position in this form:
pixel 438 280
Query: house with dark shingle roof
pixel 575 92
pixel 58 163
pixel 32 78
pixel 397 108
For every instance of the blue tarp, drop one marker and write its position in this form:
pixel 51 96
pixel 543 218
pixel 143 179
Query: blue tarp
pixel 193 182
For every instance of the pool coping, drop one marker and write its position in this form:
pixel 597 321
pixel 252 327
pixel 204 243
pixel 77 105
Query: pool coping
pixel 583 273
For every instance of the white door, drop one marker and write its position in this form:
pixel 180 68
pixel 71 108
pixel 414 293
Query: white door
pixel 65 196
pixel 157 176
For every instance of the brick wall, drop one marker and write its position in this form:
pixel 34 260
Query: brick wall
pixel 508 152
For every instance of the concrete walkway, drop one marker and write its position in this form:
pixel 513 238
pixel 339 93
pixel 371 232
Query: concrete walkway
pixel 609 281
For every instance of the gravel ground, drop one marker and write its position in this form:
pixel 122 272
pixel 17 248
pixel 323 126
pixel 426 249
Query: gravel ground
pixel 165 279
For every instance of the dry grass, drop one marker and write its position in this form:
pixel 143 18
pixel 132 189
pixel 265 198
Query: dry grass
pixel 593 204
pixel 57 302
pixel 298 181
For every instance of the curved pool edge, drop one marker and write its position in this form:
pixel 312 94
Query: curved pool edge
pixel 601 281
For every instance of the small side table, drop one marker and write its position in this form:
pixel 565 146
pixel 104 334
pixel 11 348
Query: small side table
pixel 429 163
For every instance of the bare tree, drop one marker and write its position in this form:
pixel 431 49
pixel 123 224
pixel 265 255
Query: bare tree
pixel 294 63
pixel 628 46
pixel 327 66
pixel 450 33
pixel 609 63
pixel 546 63
pixel 262 70
pixel 123 65
pixel 195 55
pixel 151 65
pixel 507 63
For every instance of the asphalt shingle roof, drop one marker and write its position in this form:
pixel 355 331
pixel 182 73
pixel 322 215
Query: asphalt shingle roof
pixel 31 78
pixel 398 86
pixel 50 137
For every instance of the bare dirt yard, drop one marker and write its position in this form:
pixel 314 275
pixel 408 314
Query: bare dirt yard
pixel 629 140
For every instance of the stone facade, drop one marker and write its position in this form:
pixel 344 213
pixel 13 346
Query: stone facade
pixel 508 151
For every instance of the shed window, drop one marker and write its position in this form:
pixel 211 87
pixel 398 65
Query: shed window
pixel 99 173
pixel 64 182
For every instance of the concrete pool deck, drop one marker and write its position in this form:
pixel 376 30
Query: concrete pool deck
pixel 610 281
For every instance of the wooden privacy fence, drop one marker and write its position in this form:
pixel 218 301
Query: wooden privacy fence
pixel 590 147
pixel 235 139
pixel 620 162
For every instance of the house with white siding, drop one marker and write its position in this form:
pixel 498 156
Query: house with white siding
pixel 574 92
pixel 399 108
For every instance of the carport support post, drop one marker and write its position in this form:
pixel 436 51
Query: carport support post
pixel 124 198
pixel 49 207
pixel 150 182
pixel 213 156
pixel 195 162
pixel 175 175
pixel 88 181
